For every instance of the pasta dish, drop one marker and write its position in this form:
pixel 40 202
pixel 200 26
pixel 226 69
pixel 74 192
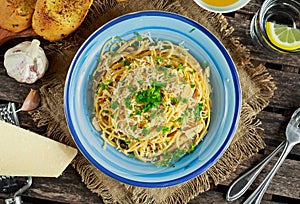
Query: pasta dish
pixel 152 99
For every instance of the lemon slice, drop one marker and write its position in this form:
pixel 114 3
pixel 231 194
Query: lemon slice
pixel 283 37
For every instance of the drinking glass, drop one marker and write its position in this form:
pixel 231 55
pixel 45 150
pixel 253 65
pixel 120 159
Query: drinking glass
pixel 276 26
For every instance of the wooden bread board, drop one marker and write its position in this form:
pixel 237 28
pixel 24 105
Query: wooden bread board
pixel 6 35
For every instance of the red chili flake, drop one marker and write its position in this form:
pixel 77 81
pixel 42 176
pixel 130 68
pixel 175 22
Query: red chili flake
pixel 102 100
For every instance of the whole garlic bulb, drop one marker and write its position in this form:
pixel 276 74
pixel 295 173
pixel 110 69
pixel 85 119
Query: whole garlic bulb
pixel 26 62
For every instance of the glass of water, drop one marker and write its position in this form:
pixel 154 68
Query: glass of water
pixel 276 26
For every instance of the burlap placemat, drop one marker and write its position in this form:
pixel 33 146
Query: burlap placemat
pixel 257 88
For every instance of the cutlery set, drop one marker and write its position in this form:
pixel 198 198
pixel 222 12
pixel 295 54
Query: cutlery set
pixel 240 186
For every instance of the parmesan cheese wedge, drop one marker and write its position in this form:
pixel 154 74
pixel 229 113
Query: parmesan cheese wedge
pixel 25 153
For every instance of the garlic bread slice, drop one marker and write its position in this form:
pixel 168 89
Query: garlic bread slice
pixel 56 19
pixel 16 15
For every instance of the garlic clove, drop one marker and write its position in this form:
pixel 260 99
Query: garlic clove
pixel 31 102
pixel 26 62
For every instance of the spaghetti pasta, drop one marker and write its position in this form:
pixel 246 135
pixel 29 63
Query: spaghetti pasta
pixel 152 99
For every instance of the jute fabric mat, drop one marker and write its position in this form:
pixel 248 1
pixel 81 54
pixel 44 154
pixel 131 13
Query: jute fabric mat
pixel 257 89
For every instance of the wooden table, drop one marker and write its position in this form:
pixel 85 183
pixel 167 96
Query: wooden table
pixel 285 186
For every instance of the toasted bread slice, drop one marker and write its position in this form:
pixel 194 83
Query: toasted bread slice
pixel 56 19
pixel 15 15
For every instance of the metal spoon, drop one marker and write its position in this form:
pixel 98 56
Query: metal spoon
pixel 241 185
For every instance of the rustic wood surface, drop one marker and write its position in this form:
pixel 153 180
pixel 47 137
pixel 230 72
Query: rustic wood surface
pixel 6 35
pixel 285 186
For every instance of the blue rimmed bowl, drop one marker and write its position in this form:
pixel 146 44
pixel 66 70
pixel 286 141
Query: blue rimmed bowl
pixel 226 99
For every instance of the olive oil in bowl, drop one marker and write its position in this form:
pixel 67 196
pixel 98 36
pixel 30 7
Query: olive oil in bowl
pixel 222 6
pixel 219 2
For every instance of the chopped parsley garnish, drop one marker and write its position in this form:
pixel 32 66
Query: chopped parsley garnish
pixel 185 114
pixel 159 59
pixel 192 148
pixel 174 101
pixel 192 30
pixel 119 38
pixel 180 119
pixel 163 69
pixel 138 112
pixel 103 86
pixel 159 68
pixel 178 154
pixel 180 67
pixel 159 128
pixel 127 64
pixel 164 129
pixel 127 103
pixel 152 114
pixel 114 105
pixel 131 154
pixel 145 131
pixel 158 84
pixel 197 111
pixel 150 98
pixel 140 82
pixel 127 140
pixel 169 157
pixel 139 37
pixel 132 88
pixel 193 86
pixel 184 100
pixel 204 64
pixel 133 127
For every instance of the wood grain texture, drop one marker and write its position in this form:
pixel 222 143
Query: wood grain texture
pixel 285 186
pixel 6 35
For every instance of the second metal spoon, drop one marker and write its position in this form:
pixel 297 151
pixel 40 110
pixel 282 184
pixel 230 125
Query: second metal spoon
pixel 240 186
